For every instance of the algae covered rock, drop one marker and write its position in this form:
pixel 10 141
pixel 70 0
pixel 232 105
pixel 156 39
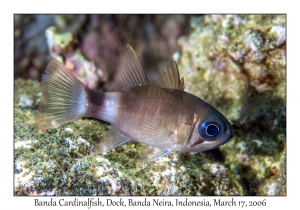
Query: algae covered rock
pixel 57 161
pixel 237 63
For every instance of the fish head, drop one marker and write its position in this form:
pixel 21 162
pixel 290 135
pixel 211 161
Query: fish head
pixel 210 131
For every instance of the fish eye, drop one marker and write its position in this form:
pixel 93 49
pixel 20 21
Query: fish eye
pixel 211 128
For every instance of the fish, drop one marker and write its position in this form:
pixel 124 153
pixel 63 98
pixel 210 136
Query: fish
pixel 163 117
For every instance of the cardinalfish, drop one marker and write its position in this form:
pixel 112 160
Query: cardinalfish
pixel 163 117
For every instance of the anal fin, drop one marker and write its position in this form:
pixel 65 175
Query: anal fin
pixel 150 153
pixel 112 139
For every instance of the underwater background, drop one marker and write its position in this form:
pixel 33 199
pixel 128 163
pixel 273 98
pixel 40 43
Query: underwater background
pixel 237 63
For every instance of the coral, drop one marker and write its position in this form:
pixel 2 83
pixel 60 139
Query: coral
pixel 58 43
pixel 100 39
pixel 61 48
pixel 238 64
pixel 30 45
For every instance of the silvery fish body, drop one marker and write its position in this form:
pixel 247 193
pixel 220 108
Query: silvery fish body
pixel 164 117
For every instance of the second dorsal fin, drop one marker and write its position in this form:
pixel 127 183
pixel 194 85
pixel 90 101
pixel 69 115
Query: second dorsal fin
pixel 130 71
pixel 169 77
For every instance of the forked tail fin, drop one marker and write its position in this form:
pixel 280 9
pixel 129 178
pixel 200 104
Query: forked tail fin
pixel 64 97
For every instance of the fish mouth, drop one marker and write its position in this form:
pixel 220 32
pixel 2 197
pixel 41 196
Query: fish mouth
pixel 226 140
pixel 217 143
pixel 221 142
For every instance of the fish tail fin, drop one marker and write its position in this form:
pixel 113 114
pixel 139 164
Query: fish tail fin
pixel 64 97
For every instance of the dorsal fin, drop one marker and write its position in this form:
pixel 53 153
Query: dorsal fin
pixel 181 83
pixel 130 71
pixel 169 77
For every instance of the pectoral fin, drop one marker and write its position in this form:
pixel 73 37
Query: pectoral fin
pixel 178 133
pixel 112 139
pixel 150 153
